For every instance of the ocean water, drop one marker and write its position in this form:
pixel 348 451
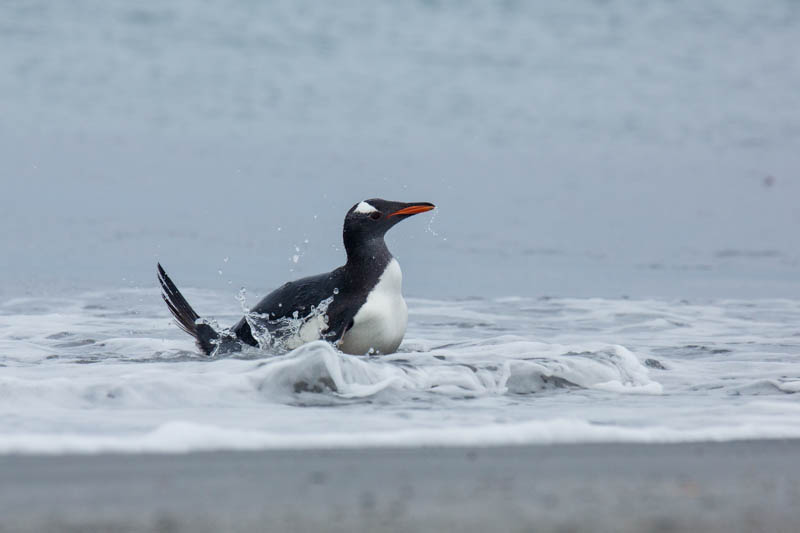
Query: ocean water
pixel 108 371
pixel 615 254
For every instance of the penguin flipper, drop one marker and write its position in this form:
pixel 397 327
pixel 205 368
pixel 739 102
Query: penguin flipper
pixel 339 326
pixel 185 316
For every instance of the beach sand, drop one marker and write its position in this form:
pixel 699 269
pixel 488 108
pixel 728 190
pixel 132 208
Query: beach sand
pixel 735 486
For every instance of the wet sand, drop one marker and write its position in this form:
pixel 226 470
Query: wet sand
pixel 741 486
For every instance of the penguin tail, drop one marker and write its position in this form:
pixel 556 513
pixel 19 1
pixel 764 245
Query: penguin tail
pixel 185 317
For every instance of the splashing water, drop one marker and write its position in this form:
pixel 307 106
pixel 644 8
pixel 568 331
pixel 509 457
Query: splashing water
pixel 429 228
pixel 279 335
pixel 287 333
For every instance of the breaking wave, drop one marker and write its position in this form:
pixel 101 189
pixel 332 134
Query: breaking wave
pixel 109 372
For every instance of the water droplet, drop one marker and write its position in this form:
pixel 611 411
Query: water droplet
pixel 225 260
pixel 295 258
pixel 430 224
pixel 336 290
pixel 241 297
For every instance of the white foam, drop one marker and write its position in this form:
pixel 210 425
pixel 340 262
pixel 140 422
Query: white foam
pixel 181 436
pixel 110 372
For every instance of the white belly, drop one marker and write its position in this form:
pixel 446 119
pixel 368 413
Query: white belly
pixel 380 324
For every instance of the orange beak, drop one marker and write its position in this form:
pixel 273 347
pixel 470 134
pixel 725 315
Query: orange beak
pixel 412 210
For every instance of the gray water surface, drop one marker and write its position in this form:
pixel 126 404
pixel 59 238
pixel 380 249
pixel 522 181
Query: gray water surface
pixel 615 255
pixel 592 149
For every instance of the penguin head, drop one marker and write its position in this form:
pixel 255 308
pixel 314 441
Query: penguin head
pixel 373 218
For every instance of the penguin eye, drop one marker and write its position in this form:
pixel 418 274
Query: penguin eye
pixel 375 215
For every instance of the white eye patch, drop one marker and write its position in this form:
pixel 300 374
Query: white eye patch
pixel 364 208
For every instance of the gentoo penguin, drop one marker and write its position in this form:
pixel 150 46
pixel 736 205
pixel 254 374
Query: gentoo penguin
pixel 364 309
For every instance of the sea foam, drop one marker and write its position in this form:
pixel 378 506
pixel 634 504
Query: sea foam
pixel 109 372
